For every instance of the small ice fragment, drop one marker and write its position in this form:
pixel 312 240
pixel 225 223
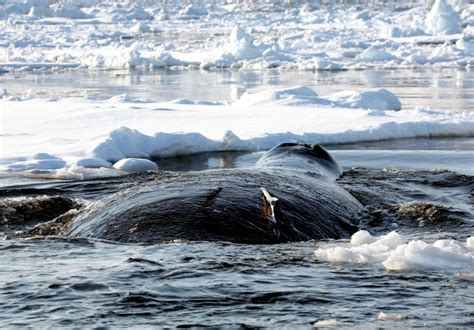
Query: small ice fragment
pixel 390 317
pixel 135 165
pixel 362 237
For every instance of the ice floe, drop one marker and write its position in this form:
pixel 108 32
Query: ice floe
pixel 396 253
pixel 442 19
pixel 110 35
pixel 135 165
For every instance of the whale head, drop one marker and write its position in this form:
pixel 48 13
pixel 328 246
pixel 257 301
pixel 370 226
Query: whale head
pixel 311 159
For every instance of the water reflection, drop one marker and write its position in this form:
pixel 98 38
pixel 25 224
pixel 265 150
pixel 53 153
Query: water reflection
pixel 209 160
pixel 447 89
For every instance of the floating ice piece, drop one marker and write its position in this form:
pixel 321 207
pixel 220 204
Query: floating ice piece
pixel 291 95
pixel 131 165
pixel 330 323
pixel 393 253
pixel 470 243
pixel 442 19
pixel 362 237
pixel 241 45
pixel 380 99
pixel 129 14
pixel 69 12
pixel 193 10
pixel 140 27
pixel 400 32
pixel 125 98
pixel 326 65
pixel 390 317
pixel 373 54
pixel 40 161
pixel 466 44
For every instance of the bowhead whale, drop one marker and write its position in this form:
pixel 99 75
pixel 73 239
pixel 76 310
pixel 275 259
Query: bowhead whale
pixel 289 195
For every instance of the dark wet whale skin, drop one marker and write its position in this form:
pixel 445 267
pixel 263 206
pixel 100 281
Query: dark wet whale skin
pixel 228 205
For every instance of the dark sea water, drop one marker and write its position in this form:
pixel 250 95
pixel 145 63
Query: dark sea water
pixel 73 282
pixel 81 283
pixel 61 282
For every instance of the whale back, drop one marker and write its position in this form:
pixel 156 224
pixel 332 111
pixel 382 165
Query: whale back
pixel 222 205
pixel 301 158
pixel 289 196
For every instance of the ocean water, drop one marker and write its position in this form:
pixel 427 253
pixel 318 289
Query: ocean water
pixel 69 283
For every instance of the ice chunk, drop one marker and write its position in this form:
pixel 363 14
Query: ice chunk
pixel 194 10
pixel 140 27
pixel 135 165
pixel 373 54
pixel 362 237
pixel 390 317
pixel 241 45
pixel 40 161
pixel 470 243
pixel 296 94
pixel 393 253
pixel 379 99
pixel 326 65
pixel 330 323
pixel 442 19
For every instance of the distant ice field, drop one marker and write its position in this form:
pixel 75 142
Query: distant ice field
pixel 246 35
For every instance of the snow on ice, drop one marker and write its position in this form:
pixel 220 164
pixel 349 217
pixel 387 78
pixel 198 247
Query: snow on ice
pixel 67 135
pixel 108 35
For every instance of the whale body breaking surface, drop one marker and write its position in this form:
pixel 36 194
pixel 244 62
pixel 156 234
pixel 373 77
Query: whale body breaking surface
pixel 290 195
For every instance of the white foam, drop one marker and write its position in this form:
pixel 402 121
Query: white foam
pixel 393 252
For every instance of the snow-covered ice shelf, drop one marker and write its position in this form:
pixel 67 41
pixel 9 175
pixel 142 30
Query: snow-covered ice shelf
pixel 39 134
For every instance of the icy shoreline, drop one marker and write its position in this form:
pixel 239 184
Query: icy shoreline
pixel 45 134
